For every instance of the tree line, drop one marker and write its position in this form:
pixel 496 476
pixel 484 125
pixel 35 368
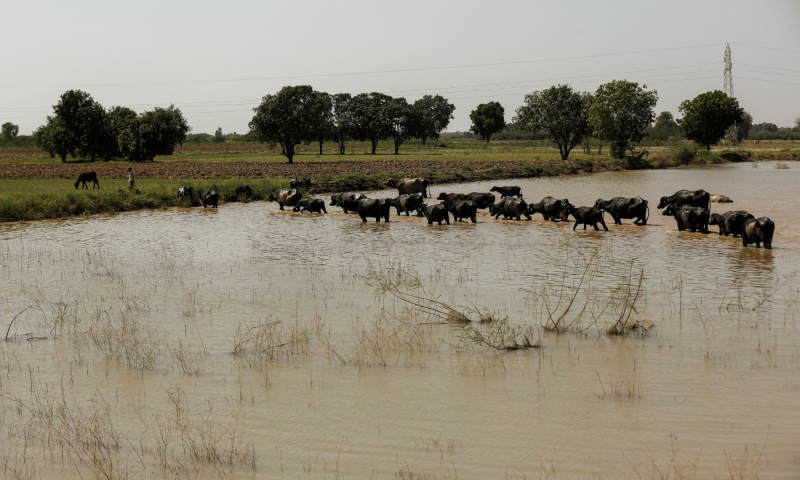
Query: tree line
pixel 300 114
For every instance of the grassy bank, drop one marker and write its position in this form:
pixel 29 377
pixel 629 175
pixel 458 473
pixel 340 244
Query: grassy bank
pixel 22 200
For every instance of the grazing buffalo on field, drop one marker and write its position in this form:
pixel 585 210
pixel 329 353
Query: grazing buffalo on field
pixel 373 207
pixel 692 218
pixel 348 202
pixel 696 198
pixel 434 213
pixel 285 198
pixel 510 208
pixel 300 184
pixel 551 208
pixel 720 199
pixel 313 205
pixel 87 177
pixel 625 207
pixel 587 216
pixel 406 203
pixel 185 192
pixel 209 197
pixel 508 191
pixel 244 191
pixel 730 223
pixel 757 230
pixel 407 186
pixel 462 209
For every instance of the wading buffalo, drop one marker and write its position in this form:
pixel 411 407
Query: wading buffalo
pixel 434 213
pixel 185 192
pixel 510 208
pixel 508 191
pixel 209 197
pixel 243 192
pixel 757 230
pixel 692 218
pixel 87 177
pixel 285 198
pixel 406 203
pixel 462 209
pixel 348 202
pixel 313 205
pixel 720 199
pixel 551 208
pixel 300 184
pixel 696 198
pixel 407 186
pixel 730 223
pixel 625 207
pixel 482 200
pixel 373 207
pixel 587 216
pixel 446 197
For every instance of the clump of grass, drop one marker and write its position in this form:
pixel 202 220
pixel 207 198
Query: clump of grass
pixel 684 152
pixel 663 160
pixel 781 166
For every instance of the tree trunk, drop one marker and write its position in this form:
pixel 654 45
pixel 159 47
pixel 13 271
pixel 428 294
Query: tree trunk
pixel 423 140
pixel 396 148
pixel 374 146
pixel 320 147
pixel 487 138
pixel 63 158
pixel 288 152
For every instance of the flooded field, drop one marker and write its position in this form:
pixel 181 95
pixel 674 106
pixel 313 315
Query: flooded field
pixel 249 342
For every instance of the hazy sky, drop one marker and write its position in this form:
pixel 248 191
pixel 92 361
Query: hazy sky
pixel 215 60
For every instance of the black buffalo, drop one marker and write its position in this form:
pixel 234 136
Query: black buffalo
pixel 209 197
pixel 551 208
pixel 510 208
pixel 625 207
pixel 587 216
pixel 446 197
pixel 300 184
pixel 347 201
pixel 285 198
pixel 87 177
pixel 730 223
pixel 313 205
pixel 508 191
pixel 434 213
pixel 692 218
pixel 373 207
pixel 185 192
pixel 757 230
pixel 243 191
pixel 462 209
pixel 406 203
pixel 695 198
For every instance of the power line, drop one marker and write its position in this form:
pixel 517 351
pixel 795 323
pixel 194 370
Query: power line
pixel 376 72
pixel 766 48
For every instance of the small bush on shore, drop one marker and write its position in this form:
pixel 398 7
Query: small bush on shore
pixel 663 160
pixel 684 153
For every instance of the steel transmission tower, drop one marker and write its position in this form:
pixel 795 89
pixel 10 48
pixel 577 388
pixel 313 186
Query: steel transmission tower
pixel 731 135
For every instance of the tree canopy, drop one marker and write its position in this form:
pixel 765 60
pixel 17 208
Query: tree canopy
pixel 559 110
pixel 403 121
pixel 434 113
pixel 342 119
pixel 370 120
pixel 665 126
pixel 707 116
pixel 80 130
pixel 620 113
pixel 152 133
pixel 286 118
pixel 9 131
pixel 487 119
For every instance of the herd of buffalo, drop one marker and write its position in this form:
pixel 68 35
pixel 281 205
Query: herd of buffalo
pixel 689 208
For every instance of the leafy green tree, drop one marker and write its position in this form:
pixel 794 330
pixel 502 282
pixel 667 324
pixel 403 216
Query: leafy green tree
pixel 665 126
pixel 84 118
pixel 620 113
pixel 152 133
pixel 487 119
pixel 218 137
pixel 57 139
pixel 342 126
pixel 708 116
pixel 116 121
pixel 322 123
pixel 370 119
pixel 286 118
pixel 559 110
pixel 434 113
pixel 9 131
pixel 403 121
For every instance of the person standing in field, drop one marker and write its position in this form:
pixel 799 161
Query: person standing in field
pixel 131 180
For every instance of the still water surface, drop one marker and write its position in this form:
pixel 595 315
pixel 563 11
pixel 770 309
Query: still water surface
pixel 712 389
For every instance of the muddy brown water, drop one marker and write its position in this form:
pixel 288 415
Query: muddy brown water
pixel 713 389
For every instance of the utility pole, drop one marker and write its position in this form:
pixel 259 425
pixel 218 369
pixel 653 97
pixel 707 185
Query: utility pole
pixel 731 136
